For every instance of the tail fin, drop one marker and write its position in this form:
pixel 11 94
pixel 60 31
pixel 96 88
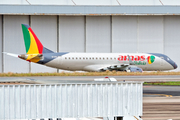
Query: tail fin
pixel 31 41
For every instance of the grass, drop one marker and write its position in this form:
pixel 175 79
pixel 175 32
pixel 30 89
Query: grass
pixel 177 83
pixel 107 73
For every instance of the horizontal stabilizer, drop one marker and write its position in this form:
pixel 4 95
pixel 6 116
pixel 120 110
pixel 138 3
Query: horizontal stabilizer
pixel 11 54
pixel 38 56
pixel 31 57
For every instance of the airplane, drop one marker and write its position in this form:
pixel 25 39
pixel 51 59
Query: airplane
pixel 129 62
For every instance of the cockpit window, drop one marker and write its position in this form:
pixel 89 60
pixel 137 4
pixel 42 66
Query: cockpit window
pixel 168 59
pixel 162 57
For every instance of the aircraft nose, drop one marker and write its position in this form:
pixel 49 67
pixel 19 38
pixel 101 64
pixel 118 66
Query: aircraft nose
pixel 175 65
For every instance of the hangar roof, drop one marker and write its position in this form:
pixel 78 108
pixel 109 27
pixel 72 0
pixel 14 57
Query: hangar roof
pixel 91 2
pixel 88 10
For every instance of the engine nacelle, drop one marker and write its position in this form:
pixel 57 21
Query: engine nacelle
pixel 134 69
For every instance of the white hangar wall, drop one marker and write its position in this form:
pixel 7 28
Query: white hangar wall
pixel 159 34
pixel 150 34
pixel 12 43
pixel 124 27
pixel 98 34
pixel 172 37
pixel 71 32
pixel 1 42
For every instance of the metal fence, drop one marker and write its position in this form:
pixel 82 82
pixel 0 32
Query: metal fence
pixel 71 99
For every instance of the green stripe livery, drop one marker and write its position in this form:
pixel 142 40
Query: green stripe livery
pixel 26 35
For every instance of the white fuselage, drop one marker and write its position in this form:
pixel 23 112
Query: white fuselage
pixel 97 61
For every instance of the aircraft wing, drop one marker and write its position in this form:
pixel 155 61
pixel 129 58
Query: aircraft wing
pixel 114 67
pixel 31 57
pixel 123 67
pixel 120 67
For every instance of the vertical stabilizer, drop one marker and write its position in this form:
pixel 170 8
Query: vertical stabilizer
pixel 31 41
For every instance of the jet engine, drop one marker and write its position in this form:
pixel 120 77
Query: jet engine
pixel 134 69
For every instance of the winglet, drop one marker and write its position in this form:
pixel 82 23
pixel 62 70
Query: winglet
pixel 130 61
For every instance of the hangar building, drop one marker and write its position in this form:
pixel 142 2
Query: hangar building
pixel 89 26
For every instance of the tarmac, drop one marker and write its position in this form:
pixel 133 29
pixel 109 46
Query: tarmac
pixel 161 108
